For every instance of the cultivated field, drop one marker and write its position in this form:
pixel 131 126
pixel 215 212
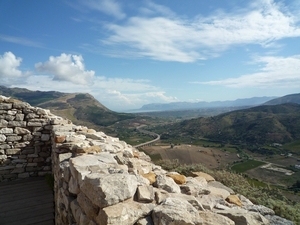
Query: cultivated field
pixel 190 154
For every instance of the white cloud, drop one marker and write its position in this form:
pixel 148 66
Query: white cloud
pixel 278 72
pixel 67 67
pixel 9 65
pixel 176 39
pixel 109 7
pixel 20 40
pixel 66 73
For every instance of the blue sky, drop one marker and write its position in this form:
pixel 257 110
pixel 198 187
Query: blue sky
pixel 135 52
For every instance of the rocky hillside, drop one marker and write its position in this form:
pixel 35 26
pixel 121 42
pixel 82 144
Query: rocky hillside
pixel 81 108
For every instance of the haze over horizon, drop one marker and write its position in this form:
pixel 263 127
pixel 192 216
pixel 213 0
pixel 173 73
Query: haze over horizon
pixel 127 54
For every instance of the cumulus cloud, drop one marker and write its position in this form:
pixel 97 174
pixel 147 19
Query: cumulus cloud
pixel 67 67
pixel 278 72
pixel 9 66
pixel 176 39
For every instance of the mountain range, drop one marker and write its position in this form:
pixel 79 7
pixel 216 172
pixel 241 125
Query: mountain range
pixel 197 105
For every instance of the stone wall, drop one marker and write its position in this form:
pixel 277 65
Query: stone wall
pixel 25 145
pixel 102 180
pixel 99 179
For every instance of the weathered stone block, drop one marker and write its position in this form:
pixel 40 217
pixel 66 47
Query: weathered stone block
pixel 13 151
pixel 16 124
pixel 5 106
pixel 3 123
pixel 45 137
pixel 6 131
pixel 13 138
pixel 145 194
pixel 34 124
pixel 19 130
pixel 19 117
pixel 108 189
pixel 87 206
pixel 2 137
pixel 125 213
pixel 27 137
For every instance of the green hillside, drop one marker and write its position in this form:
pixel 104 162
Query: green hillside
pixel 258 125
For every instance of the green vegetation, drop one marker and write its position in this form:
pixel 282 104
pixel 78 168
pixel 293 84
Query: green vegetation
pixel 262 195
pixel 255 128
pixel 293 146
pixel 247 165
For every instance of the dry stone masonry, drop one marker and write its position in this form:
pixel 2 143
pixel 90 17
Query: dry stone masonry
pixel 102 180
pixel 25 145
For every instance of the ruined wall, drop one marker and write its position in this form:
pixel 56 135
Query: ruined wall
pixel 25 145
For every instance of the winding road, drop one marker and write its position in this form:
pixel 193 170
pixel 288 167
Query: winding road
pixel 148 133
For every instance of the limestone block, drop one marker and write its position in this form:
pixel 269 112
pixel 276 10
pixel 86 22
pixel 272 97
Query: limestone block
pixel 244 217
pixel 73 186
pixel 194 187
pixel 20 130
pixel 145 221
pixel 19 117
pixel 3 157
pixel 209 201
pixel 276 220
pixel 218 192
pixel 5 106
pixel 6 131
pixel 45 137
pixel 3 123
pixel 20 105
pixel 75 138
pixel 74 209
pixel 108 189
pixel 145 194
pixel 167 184
pixel 234 199
pixel 210 218
pixel 84 220
pixel 12 138
pixel 96 136
pixel 85 164
pixel 9 117
pixel 260 209
pixel 175 211
pixel 178 178
pixel 4 146
pixel 2 137
pixel 125 213
pixel 27 137
pixel 141 166
pixel 17 124
pixel 87 206
pixel 34 124
pixel 204 175
pixel 13 151
pixel 218 184
pixel 245 201
pixel 150 176
pixel 89 149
